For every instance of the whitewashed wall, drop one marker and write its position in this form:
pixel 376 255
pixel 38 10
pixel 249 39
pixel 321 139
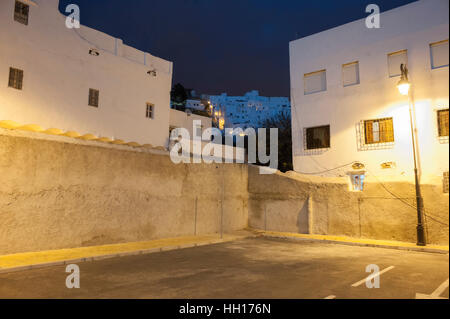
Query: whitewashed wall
pixel 412 27
pixel 58 72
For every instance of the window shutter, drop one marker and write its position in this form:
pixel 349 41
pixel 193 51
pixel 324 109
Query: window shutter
pixel 443 123
pixel 439 54
pixel 389 130
pixel 395 60
pixel 368 132
pixel 350 74
pixel 15 78
pixel 315 82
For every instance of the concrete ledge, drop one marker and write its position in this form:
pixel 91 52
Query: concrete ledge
pixel 99 252
pixel 355 242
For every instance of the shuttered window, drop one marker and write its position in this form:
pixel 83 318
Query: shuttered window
pixel 315 82
pixel 94 97
pixel 395 60
pixel 379 131
pixel 21 11
pixel 15 78
pixel 443 122
pixel 318 137
pixel 439 54
pixel 150 109
pixel 350 74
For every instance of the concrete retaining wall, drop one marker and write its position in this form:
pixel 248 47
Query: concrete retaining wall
pixel 318 205
pixel 58 192
pixel 65 193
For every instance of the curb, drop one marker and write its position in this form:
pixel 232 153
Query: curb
pixel 115 255
pixel 419 249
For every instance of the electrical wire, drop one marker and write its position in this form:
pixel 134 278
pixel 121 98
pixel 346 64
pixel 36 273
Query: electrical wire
pixel 408 204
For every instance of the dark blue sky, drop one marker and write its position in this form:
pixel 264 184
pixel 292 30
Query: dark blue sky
pixel 220 46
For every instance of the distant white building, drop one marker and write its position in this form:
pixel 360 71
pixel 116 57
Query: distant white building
pixel 346 107
pixel 250 110
pixel 80 81
pixel 195 104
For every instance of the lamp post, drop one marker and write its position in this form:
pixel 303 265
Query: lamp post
pixel 404 87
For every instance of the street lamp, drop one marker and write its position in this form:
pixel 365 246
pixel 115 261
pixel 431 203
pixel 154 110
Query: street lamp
pixel 404 88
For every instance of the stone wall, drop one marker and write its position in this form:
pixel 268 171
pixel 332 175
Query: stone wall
pixel 316 205
pixel 57 192
pixel 60 192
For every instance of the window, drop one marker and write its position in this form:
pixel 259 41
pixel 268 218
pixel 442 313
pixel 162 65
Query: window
pixel 318 137
pixel 350 74
pixel 150 110
pixel 94 97
pixel 379 131
pixel 442 116
pixel 15 78
pixel 21 11
pixel 445 183
pixel 439 54
pixel 357 181
pixel 315 82
pixel 198 130
pixel 395 60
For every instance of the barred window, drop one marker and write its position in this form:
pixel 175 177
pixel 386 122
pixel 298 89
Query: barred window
pixel 21 11
pixel 94 97
pixel 150 111
pixel 379 131
pixel 442 116
pixel 445 182
pixel 15 78
pixel 318 137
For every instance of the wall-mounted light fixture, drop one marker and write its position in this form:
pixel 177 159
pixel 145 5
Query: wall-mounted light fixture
pixel 152 72
pixel 94 52
pixel 403 85
pixel 358 165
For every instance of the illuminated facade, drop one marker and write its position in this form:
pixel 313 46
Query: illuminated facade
pixel 79 80
pixel 250 110
pixel 348 117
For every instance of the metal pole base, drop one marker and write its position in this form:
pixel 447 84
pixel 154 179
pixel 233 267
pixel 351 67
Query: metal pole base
pixel 420 236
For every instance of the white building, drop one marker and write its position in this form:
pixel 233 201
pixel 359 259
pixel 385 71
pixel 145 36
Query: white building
pixel 346 107
pixel 195 104
pixel 79 80
pixel 249 110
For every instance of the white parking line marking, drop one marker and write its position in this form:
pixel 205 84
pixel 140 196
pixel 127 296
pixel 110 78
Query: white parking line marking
pixel 435 294
pixel 356 284
pixel 330 297
pixel 440 289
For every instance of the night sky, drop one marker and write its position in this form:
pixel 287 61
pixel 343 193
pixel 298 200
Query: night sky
pixel 218 46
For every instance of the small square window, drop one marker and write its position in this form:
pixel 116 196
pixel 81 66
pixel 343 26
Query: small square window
pixel 15 78
pixel 315 82
pixel 150 111
pixel 357 181
pixel 199 130
pixel 94 97
pixel 318 137
pixel 445 183
pixel 395 60
pixel 21 11
pixel 442 116
pixel 350 74
pixel 379 131
pixel 439 54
